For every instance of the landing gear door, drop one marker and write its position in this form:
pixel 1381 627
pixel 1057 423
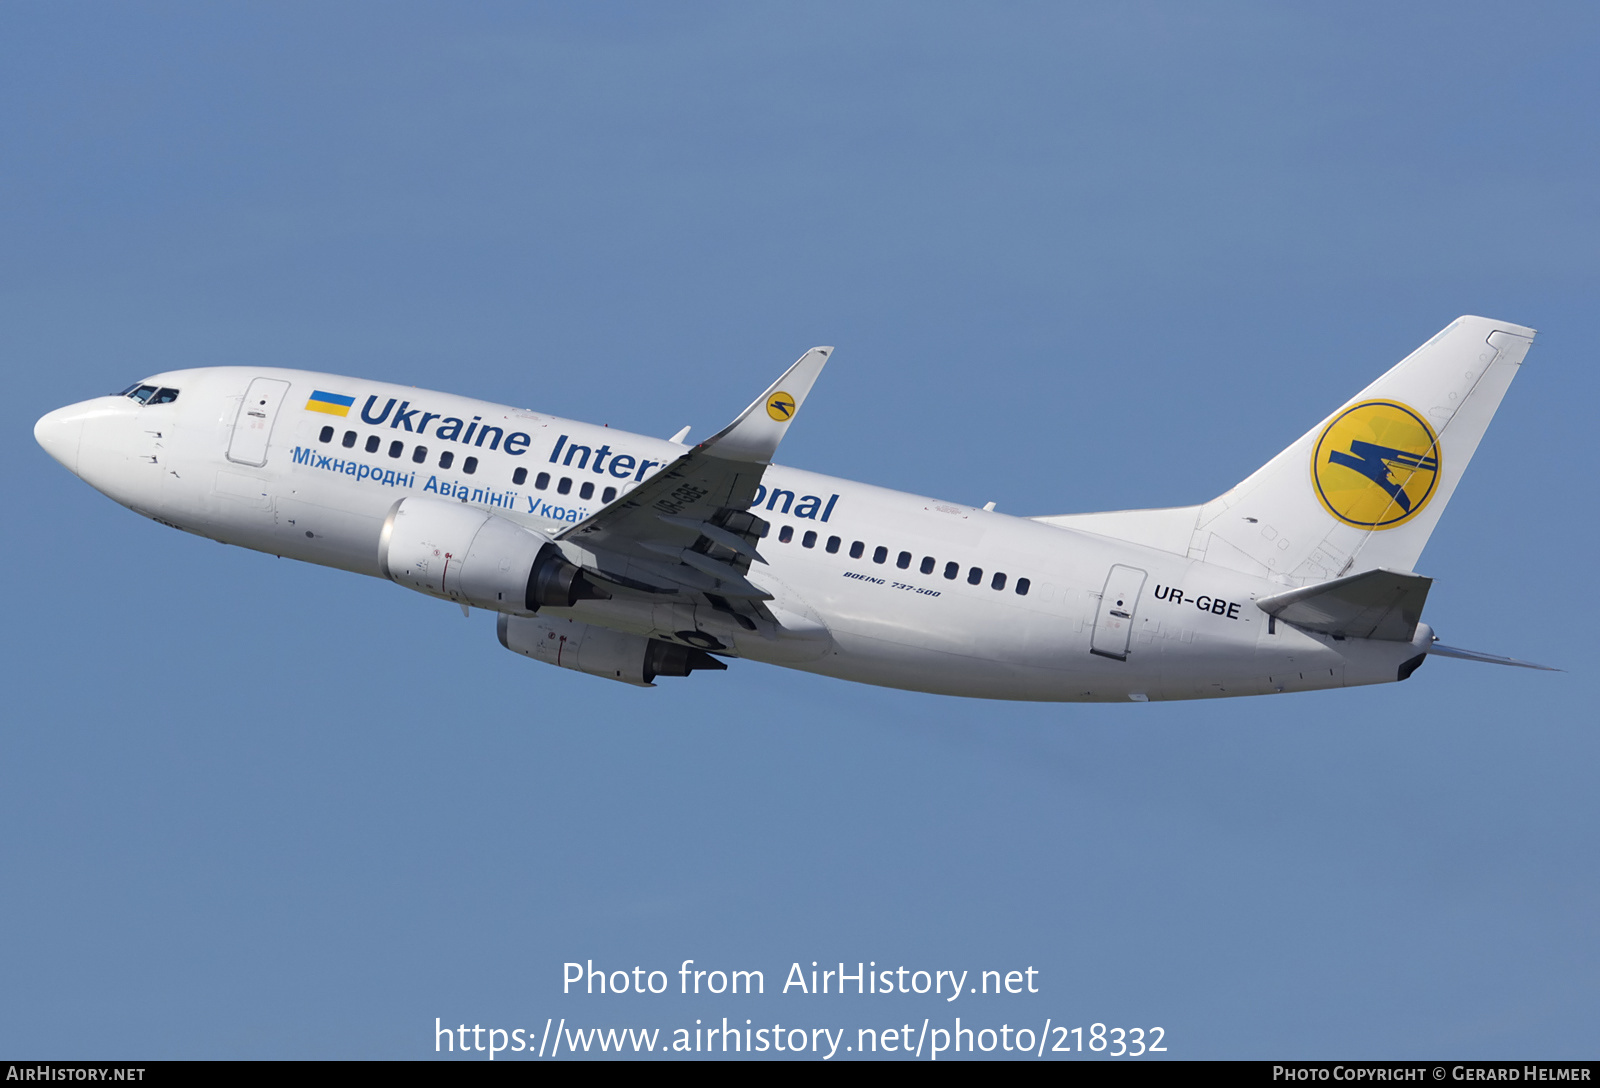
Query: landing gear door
pixel 1113 624
pixel 253 427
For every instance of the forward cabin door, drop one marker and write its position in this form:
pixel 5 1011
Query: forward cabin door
pixel 1113 624
pixel 253 428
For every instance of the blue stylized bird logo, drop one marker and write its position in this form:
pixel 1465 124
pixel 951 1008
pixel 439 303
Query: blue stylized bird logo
pixel 1376 462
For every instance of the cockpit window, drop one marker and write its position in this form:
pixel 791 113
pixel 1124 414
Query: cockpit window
pixel 149 394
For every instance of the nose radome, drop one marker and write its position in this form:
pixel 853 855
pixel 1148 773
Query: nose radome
pixel 60 433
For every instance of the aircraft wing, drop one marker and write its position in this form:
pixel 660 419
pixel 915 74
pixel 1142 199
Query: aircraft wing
pixel 688 528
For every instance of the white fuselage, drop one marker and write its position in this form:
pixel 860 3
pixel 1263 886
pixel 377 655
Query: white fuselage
pixel 893 589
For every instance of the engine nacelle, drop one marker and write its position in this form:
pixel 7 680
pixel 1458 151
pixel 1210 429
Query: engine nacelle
pixel 600 651
pixel 462 553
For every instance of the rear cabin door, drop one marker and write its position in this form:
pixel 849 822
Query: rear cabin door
pixel 1113 624
pixel 253 428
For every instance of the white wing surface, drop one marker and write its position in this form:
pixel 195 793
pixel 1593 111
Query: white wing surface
pixel 688 528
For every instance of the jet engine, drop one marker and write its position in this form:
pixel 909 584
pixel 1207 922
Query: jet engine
pixel 600 651
pixel 462 553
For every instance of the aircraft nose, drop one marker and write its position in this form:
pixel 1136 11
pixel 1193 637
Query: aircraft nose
pixel 60 433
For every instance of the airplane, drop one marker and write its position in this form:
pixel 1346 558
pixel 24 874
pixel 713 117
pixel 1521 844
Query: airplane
pixel 634 558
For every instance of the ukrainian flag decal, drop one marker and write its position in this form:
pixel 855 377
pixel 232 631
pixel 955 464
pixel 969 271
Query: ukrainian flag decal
pixel 331 403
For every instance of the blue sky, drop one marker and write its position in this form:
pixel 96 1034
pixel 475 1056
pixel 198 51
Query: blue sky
pixel 1073 258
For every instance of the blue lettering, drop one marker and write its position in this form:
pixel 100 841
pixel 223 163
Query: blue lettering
pixel 517 444
pixel 761 496
pixel 485 434
pixel 366 410
pixel 422 424
pixel 621 460
pixel 432 484
pixel 449 428
pixel 555 453
pixel 302 457
pixel 809 505
pixel 403 416
pixel 574 448
pixel 788 497
pixel 827 511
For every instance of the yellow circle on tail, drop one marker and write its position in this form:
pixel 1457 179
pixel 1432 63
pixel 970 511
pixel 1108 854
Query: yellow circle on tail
pixel 780 406
pixel 1376 465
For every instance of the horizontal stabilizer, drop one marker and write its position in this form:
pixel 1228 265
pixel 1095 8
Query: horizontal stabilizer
pixel 1377 604
pixel 1494 659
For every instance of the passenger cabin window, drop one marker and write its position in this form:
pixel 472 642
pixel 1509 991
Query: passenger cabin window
pixel 880 554
pixel 470 465
pixel 520 476
pixel 326 435
pixel 446 459
pixel 565 486
pixel 999 581
pixel 396 448
pixel 348 440
pixel 856 549
pixel 586 491
pixel 903 560
pixel 542 481
pixel 974 576
pixel 786 534
pixel 951 570
pixel 1022 587
pixel 833 545
pixel 372 443
pixel 420 454
pixel 809 540
pixel 608 494
pixel 928 563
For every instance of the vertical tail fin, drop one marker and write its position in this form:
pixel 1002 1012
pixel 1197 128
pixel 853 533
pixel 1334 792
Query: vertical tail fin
pixel 1365 487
